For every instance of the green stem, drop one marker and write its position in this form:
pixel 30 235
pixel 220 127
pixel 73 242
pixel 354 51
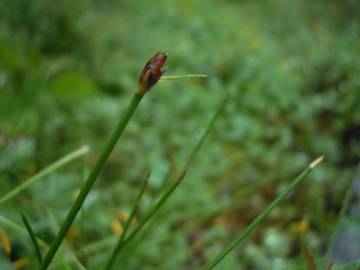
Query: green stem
pixel 262 216
pixel 49 169
pixel 124 120
pixel 32 237
pixel 127 224
pixel 180 77
pixel 15 227
pixel 206 133
pixel 70 253
pixel 171 190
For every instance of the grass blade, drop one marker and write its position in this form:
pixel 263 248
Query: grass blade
pixel 127 224
pixel 32 237
pixel 49 169
pixel 60 261
pixel 170 191
pixel 262 215
pixel 182 77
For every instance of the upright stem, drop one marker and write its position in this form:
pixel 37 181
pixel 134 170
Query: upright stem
pixel 262 215
pixel 121 245
pixel 127 225
pixel 124 120
pixel 32 237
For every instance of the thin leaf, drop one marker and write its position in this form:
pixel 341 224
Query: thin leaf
pixel 117 248
pixel 49 169
pixel 59 260
pixel 32 237
pixel 161 202
pixel 248 230
pixel 182 77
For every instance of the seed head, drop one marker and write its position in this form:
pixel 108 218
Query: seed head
pixel 152 72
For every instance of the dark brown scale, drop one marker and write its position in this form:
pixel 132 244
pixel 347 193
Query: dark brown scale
pixel 152 72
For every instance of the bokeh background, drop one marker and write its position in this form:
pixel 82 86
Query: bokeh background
pixel 291 68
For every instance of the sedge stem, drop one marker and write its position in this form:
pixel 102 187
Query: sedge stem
pixel 161 202
pixel 124 120
pixel 127 224
pixel 247 231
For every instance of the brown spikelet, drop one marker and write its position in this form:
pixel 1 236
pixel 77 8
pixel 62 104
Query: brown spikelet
pixel 152 72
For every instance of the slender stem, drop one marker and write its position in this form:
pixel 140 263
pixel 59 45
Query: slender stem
pixel 156 208
pixel 173 187
pixel 49 169
pixel 7 223
pixel 67 249
pixel 262 215
pixel 127 224
pixel 344 207
pixel 32 237
pixel 206 133
pixel 180 77
pixel 124 120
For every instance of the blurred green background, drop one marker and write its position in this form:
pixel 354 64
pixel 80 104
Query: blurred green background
pixel 69 68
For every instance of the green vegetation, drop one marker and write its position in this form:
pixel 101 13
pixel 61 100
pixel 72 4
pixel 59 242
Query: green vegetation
pixel 67 72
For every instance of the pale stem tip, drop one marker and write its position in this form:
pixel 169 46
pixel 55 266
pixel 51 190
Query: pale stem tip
pixel 85 148
pixel 316 162
pixel 180 77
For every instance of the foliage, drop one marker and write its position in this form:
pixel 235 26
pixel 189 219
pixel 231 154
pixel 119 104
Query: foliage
pixel 68 69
